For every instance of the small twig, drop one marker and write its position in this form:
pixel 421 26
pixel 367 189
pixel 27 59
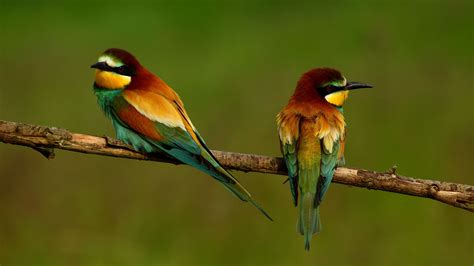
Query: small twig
pixel 392 170
pixel 45 139
pixel 46 152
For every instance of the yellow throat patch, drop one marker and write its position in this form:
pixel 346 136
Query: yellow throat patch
pixel 111 80
pixel 337 98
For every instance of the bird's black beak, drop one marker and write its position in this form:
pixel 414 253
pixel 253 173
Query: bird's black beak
pixel 101 66
pixel 356 85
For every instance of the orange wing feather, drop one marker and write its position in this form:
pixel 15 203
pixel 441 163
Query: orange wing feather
pixel 155 107
pixel 138 122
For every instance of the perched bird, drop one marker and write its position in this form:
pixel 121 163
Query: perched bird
pixel 148 115
pixel 312 131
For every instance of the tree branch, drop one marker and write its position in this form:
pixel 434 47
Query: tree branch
pixel 45 139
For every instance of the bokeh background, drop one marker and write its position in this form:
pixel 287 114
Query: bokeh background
pixel 235 66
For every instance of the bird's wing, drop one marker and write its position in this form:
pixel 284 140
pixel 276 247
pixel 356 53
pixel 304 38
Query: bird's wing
pixel 288 131
pixel 330 156
pixel 157 119
pixel 197 137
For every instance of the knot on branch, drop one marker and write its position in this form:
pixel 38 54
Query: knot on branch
pixel 433 190
pixel 56 135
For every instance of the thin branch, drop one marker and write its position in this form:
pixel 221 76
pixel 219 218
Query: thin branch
pixel 45 139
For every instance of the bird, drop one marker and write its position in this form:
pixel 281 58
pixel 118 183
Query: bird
pixel 149 115
pixel 312 131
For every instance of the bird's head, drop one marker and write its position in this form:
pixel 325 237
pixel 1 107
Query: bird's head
pixel 330 85
pixel 115 69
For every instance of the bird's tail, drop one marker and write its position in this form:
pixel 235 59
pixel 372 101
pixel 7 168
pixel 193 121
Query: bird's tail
pixel 308 221
pixel 238 190
pixel 209 164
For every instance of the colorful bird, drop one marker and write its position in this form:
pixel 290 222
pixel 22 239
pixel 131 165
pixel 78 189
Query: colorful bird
pixel 148 115
pixel 312 134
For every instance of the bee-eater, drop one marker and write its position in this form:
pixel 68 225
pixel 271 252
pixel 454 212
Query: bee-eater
pixel 312 133
pixel 148 115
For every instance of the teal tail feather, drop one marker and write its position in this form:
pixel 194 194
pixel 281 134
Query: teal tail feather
pixel 309 222
pixel 238 190
pixel 207 163
pixel 260 209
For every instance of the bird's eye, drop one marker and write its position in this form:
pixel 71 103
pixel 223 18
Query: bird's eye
pixel 330 88
pixel 122 69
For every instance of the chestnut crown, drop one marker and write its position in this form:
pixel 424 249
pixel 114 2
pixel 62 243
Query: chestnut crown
pixel 331 85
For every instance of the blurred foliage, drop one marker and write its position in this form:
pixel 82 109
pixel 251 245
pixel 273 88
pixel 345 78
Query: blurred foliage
pixel 235 64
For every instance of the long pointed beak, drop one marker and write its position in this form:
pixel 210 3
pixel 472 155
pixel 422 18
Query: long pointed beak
pixel 101 66
pixel 356 85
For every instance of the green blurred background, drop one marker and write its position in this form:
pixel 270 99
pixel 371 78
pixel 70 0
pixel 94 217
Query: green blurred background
pixel 235 66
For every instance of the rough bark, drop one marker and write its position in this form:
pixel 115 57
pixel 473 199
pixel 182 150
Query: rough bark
pixel 46 139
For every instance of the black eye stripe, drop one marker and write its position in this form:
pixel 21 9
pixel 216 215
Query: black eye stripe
pixel 332 88
pixel 124 70
pixel 328 89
